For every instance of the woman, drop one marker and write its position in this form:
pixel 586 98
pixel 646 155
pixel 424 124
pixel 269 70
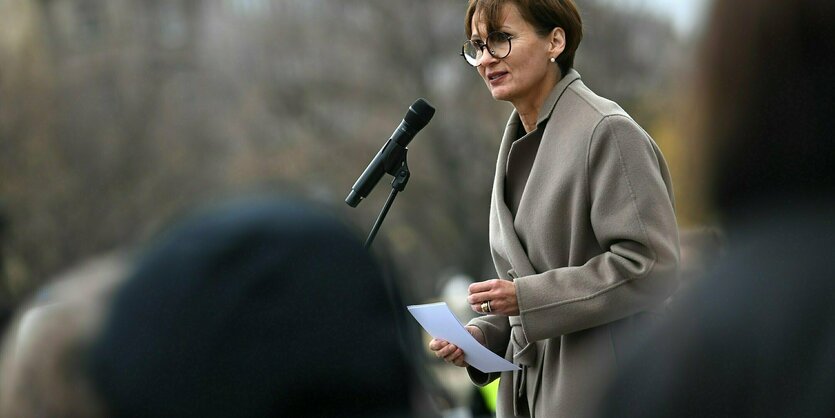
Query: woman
pixel 582 225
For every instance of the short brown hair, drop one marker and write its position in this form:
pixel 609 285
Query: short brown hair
pixel 544 15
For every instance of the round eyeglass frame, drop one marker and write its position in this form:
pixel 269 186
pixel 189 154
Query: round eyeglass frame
pixel 480 53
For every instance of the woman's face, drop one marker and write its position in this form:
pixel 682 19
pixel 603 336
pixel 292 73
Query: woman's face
pixel 526 75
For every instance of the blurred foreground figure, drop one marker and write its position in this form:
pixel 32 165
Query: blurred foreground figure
pixel 254 310
pixel 261 308
pixel 43 369
pixel 756 338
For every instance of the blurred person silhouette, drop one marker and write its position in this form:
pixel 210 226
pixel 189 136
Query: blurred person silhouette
pixel 756 337
pixel 42 368
pixel 256 308
pixel 582 222
pixel 250 308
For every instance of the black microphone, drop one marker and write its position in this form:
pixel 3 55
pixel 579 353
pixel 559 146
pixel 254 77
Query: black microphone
pixel 390 156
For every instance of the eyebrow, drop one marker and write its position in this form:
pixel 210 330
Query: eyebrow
pixel 505 28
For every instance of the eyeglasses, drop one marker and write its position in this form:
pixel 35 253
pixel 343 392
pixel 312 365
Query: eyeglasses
pixel 497 44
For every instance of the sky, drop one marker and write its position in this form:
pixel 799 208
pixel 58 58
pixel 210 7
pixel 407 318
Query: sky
pixel 686 15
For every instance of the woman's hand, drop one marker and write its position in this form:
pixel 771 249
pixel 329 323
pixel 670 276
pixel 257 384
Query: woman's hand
pixel 500 293
pixel 450 352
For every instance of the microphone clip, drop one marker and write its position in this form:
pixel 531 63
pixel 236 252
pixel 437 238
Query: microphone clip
pixel 400 171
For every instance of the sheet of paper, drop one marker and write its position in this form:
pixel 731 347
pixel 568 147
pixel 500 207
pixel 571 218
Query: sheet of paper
pixel 441 323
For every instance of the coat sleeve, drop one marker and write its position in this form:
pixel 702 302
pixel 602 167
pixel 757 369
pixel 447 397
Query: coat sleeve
pixel 496 330
pixel 633 219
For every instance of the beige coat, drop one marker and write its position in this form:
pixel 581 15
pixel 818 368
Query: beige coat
pixel 593 251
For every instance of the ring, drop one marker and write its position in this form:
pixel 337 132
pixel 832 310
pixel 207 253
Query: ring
pixel 485 307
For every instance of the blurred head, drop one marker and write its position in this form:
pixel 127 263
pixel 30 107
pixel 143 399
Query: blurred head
pixel 755 337
pixel 43 368
pixel 253 309
pixel 768 96
pixel 539 30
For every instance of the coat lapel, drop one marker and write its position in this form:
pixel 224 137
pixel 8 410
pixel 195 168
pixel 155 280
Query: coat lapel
pixel 543 163
pixel 503 232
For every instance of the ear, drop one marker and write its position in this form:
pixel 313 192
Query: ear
pixel 556 42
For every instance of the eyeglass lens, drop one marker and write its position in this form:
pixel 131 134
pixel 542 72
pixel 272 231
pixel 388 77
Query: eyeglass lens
pixel 498 45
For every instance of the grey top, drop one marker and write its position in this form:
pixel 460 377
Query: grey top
pixel 519 164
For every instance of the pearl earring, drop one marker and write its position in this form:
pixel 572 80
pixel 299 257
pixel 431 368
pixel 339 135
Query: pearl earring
pixel 553 59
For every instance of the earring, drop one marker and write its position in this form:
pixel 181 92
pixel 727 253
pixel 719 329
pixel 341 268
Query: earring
pixel 553 59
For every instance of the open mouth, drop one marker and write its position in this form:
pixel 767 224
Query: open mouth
pixel 496 76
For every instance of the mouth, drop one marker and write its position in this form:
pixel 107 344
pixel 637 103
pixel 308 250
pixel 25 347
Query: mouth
pixel 496 76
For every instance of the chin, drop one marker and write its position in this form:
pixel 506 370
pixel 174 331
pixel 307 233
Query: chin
pixel 500 94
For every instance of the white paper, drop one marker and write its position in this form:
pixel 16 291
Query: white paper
pixel 441 323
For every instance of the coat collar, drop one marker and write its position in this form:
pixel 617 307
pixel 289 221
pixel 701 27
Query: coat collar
pixel 513 250
pixel 551 101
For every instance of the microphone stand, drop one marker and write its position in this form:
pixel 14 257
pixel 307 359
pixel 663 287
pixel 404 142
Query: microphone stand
pixel 401 177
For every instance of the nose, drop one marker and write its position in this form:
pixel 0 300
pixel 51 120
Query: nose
pixel 486 58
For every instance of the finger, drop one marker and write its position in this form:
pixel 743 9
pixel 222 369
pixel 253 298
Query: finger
pixel 484 296
pixel 455 356
pixel 437 344
pixel 477 298
pixel 484 286
pixel 447 351
pixel 460 359
pixel 495 306
pixel 442 352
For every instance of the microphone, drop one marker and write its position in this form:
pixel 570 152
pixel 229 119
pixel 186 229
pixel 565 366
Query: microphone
pixel 389 158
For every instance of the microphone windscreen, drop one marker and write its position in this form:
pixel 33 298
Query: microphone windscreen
pixel 419 114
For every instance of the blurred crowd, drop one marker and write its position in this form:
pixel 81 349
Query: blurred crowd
pixel 269 306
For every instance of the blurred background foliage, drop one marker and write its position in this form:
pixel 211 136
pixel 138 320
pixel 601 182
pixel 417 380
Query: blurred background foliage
pixel 116 115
